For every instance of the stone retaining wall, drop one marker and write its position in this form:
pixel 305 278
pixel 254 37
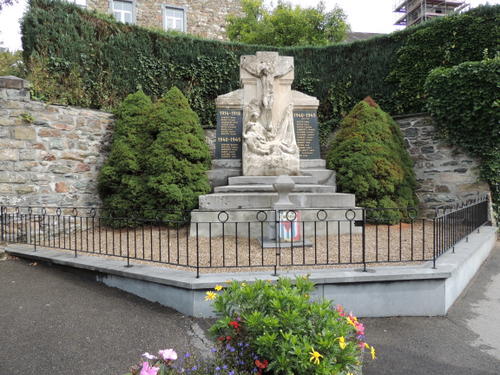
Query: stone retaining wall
pixel 445 174
pixel 49 155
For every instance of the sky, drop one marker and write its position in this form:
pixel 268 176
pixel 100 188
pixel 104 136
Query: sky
pixel 374 16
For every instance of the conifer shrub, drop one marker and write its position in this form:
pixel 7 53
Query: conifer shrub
pixel 371 161
pixel 156 168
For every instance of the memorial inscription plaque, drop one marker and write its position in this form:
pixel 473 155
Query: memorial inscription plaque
pixel 228 133
pixel 306 133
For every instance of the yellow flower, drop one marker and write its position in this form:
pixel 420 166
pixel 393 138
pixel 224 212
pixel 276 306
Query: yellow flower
pixel 352 320
pixel 243 284
pixel 373 353
pixel 315 356
pixel 342 343
pixel 218 288
pixel 349 373
pixel 210 296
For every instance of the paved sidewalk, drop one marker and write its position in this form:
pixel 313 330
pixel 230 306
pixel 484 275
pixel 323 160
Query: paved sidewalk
pixel 57 322
pixel 466 342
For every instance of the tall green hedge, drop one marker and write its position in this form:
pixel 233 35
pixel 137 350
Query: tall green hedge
pixel 465 102
pixel 103 61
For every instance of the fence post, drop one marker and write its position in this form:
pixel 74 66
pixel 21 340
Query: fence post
pixel 434 244
pixel 1 223
pixel 197 254
pixel 34 231
pixel 364 240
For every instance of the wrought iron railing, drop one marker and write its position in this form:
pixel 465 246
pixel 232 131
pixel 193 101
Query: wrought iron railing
pixel 248 239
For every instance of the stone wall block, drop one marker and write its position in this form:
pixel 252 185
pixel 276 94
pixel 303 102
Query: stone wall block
pixel 9 154
pixel 12 178
pixel 27 155
pixel 25 133
pixel 57 144
pixel 49 132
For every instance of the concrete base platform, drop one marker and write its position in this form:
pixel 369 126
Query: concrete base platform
pixel 389 291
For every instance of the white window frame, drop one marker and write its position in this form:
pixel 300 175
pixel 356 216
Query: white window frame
pixel 164 9
pixel 112 10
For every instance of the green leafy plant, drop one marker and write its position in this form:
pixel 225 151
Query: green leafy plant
pixel 287 332
pixel 27 117
pixel 459 38
pixel 11 64
pixel 371 161
pixel 158 160
pixel 287 25
pixel 464 101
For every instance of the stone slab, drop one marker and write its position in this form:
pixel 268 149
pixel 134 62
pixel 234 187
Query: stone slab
pixel 222 201
pixel 12 82
pixel 268 180
pixel 269 188
pixel 323 176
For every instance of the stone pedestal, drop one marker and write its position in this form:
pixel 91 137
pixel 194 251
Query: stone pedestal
pixel 268 127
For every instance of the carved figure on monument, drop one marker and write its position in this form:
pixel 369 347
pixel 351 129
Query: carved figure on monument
pixel 269 145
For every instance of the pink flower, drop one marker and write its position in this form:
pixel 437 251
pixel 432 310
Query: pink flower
pixel 340 310
pixel 148 370
pixel 149 356
pixel 360 328
pixel 168 354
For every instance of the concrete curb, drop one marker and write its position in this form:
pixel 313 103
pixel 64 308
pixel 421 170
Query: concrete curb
pixel 385 291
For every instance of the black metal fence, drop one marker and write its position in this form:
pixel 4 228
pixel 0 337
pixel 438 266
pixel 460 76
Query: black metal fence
pixel 245 239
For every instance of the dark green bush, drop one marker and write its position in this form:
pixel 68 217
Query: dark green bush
pixel 371 161
pixel 283 328
pixel 157 165
pixel 112 59
pixel 464 100
pixel 459 38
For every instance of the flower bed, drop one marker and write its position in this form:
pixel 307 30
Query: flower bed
pixel 271 328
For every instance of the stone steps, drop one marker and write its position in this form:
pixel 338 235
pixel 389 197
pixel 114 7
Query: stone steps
pixel 269 188
pixel 269 180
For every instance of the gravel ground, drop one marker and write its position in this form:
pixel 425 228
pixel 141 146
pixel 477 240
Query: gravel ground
pixel 174 247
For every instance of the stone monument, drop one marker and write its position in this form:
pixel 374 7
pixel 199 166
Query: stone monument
pixel 265 130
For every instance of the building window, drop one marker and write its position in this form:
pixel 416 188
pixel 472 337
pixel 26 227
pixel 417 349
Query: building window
pixel 174 18
pixel 123 11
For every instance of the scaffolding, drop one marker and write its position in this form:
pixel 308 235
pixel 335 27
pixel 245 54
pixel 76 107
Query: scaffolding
pixel 417 11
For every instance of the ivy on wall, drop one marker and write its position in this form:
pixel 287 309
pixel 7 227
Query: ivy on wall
pixel 105 61
pixel 464 100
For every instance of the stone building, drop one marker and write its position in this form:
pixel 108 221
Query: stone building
pixel 205 18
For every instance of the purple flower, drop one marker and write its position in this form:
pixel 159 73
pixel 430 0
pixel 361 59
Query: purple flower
pixel 168 354
pixel 148 370
pixel 231 372
pixel 187 355
pixel 224 367
pixel 217 368
pixel 213 350
pixel 194 368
